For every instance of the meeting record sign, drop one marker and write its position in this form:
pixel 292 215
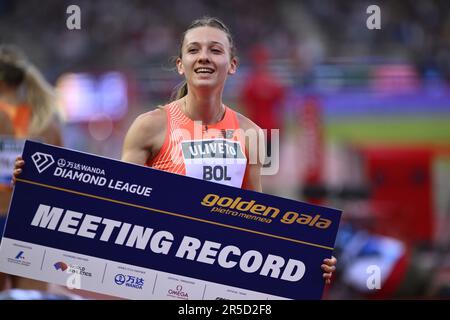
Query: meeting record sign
pixel 130 231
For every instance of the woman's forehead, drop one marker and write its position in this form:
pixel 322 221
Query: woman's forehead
pixel 206 35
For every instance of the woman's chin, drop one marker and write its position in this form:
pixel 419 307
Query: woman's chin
pixel 205 83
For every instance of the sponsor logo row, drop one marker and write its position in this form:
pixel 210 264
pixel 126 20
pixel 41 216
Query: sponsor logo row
pixel 109 277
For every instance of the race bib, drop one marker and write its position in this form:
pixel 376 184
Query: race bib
pixel 216 160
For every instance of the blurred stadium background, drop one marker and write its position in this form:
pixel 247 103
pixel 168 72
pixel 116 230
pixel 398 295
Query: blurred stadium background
pixel 364 115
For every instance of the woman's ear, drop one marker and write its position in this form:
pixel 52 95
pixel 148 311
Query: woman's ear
pixel 233 65
pixel 179 66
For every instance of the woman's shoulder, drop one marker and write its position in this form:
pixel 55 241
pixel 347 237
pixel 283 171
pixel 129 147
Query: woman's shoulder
pixel 150 124
pixel 154 115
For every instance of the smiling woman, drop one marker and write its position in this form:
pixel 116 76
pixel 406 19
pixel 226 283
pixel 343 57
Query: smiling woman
pixel 197 114
pixel 207 56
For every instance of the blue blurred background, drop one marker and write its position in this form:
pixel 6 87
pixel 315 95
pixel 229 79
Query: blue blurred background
pixel 364 115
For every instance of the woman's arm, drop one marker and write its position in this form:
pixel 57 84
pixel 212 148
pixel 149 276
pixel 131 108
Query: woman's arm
pixel 145 137
pixel 252 177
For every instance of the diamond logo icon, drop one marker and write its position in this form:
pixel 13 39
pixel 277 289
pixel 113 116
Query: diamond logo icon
pixel 42 161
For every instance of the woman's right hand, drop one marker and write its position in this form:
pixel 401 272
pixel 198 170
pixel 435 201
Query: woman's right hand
pixel 17 169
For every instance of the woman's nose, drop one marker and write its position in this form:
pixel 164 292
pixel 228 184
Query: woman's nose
pixel 203 56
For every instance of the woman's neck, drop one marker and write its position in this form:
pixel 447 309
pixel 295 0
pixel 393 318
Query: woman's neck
pixel 208 109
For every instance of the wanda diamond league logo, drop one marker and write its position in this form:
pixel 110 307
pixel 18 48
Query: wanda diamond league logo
pixel 42 161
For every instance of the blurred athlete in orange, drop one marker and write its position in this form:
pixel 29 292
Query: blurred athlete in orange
pixel 27 110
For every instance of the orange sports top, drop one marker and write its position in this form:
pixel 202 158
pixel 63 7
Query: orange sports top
pixel 20 117
pixel 210 152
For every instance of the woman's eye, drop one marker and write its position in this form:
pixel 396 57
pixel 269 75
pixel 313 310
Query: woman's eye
pixel 216 50
pixel 192 50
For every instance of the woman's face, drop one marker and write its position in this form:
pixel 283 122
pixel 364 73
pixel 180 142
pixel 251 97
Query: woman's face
pixel 206 58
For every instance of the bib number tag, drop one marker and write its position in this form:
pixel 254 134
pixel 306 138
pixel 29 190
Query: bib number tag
pixel 217 160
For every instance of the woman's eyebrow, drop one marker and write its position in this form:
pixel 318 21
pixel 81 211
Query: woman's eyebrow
pixel 195 43
pixel 217 42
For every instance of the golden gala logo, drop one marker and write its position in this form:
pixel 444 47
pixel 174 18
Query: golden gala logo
pixel 251 207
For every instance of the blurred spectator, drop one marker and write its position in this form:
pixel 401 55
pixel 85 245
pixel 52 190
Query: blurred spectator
pixel 416 31
pixel 262 94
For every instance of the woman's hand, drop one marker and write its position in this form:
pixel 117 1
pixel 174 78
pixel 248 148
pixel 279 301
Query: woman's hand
pixel 328 266
pixel 17 169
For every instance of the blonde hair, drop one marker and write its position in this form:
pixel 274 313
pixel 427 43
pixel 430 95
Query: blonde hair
pixel 181 90
pixel 39 95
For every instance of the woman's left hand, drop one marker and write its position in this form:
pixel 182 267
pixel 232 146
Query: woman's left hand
pixel 328 266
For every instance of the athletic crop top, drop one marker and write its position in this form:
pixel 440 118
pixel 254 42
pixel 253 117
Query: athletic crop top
pixel 210 152
pixel 20 118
